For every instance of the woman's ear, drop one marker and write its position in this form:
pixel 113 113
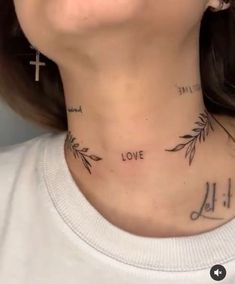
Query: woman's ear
pixel 218 5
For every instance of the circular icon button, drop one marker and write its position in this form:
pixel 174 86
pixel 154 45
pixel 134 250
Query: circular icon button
pixel 218 272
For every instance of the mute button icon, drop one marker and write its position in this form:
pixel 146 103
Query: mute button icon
pixel 218 272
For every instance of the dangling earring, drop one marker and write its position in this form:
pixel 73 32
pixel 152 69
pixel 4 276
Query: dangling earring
pixel 37 63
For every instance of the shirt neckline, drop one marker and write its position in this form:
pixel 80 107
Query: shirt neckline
pixel 185 253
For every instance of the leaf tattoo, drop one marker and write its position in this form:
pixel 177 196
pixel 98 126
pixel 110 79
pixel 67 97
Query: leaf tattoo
pixel 200 132
pixel 71 145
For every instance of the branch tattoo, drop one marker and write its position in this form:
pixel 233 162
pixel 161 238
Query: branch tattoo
pixel 73 146
pixel 198 135
pixel 208 203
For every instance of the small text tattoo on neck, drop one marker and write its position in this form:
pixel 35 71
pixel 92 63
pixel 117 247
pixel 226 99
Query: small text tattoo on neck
pixel 73 146
pixel 137 155
pixel 188 89
pixel 72 109
pixel 210 200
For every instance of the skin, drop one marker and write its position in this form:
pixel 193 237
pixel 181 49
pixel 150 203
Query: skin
pixel 131 77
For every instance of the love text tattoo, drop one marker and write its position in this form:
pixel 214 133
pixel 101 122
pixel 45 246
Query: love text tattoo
pixel 72 145
pixel 199 133
pixel 210 200
pixel 75 109
pixel 188 89
pixel 132 155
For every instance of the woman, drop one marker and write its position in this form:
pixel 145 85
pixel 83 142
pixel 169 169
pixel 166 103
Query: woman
pixel 135 181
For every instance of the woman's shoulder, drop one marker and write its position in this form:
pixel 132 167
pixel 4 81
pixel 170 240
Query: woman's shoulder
pixel 20 169
pixel 8 151
pixel 13 157
pixel 19 173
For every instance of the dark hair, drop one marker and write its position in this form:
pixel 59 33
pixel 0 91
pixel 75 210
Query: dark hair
pixel 41 102
pixel 44 103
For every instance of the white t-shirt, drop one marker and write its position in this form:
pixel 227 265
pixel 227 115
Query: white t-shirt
pixel 51 234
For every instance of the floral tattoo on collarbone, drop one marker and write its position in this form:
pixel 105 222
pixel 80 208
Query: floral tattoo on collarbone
pixel 199 133
pixel 73 146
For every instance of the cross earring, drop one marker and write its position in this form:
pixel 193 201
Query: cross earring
pixel 37 63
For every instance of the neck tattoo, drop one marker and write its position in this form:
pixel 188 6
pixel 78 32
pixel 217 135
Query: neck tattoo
pixel 182 90
pixel 75 109
pixel 210 201
pixel 73 146
pixel 203 126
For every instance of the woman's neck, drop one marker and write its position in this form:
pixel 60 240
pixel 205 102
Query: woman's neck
pixel 134 105
pixel 138 126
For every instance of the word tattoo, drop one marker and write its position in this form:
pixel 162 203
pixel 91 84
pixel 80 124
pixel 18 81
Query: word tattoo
pixel 75 109
pixel 199 134
pixel 188 89
pixel 208 204
pixel 80 153
pixel 132 156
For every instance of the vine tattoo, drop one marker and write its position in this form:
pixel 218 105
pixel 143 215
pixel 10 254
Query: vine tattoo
pixel 209 201
pixel 198 135
pixel 71 145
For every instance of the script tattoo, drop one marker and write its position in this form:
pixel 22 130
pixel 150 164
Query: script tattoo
pixel 188 89
pixel 75 109
pixel 198 134
pixel 71 145
pixel 208 204
pixel 132 155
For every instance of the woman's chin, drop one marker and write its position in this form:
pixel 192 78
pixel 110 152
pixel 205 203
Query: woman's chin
pixel 79 15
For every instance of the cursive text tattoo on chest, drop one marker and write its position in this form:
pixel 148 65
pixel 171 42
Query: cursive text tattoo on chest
pixel 73 147
pixel 210 200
